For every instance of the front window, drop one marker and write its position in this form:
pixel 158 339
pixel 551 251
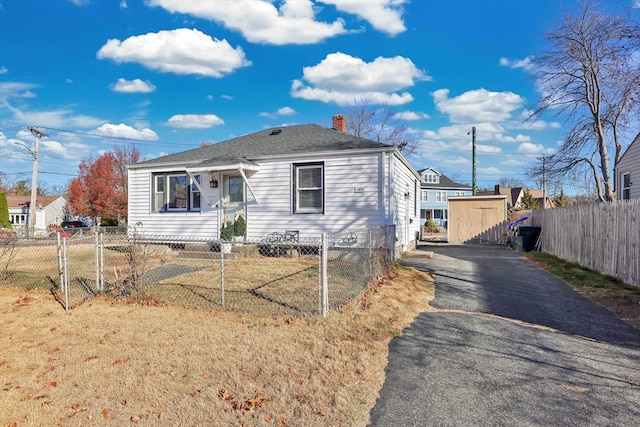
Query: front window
pixel 309 188
pixel 424 196
pixel 626 186
pixel 441 196
pixel 195 194
pixel 178 189
pixel 175 192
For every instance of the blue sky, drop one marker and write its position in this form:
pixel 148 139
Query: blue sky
pixel 173 74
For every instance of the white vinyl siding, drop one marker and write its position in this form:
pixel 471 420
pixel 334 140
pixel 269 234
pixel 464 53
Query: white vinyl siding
pixel 629 166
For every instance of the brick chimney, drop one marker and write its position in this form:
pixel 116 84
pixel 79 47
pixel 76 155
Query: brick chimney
pixel 339 123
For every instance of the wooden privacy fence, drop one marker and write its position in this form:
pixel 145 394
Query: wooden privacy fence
pixel 602 236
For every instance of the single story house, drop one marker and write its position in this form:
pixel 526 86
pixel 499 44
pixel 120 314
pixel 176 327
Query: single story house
pixel 305 177
pixel 50 210
pixel 627 171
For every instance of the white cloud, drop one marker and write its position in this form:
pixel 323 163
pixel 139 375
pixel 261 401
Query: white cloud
pixel 343 79
pixel 181 51
pixel 4 70
pixel 411 115
pixel 260 21
pixel 194 121
pixel 478 105
pixel 492 170
pixel 79 2
pixel 61 118
pixel 531 148
pixel 227 97
pixel 486 149
pixel 124 131
pixel 518 138
pixel 132 86
pixel 383 15
pixel 525 64
pixel 284 111
pixel 123 4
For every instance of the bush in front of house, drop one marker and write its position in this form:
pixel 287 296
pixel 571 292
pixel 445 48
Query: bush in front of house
pixel 5 223
pixel 431 226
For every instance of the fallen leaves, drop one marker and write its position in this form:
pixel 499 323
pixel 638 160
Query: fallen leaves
pixel 24 300
pixel 246 406
pixel 106 415
pixel 77 408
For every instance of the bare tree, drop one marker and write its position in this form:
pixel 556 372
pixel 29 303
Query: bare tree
pixel 381 125
pixel 591 77
pixel 510 182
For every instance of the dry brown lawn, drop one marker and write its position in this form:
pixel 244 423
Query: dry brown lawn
pixel 107 363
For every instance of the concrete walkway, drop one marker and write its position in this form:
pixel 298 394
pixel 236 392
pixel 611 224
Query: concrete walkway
pixel 511 345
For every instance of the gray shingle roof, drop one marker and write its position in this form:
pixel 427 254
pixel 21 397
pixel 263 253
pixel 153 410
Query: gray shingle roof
pixel 299 139
pixel 445 182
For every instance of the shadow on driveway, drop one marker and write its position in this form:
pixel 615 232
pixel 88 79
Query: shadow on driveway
pixel 476 363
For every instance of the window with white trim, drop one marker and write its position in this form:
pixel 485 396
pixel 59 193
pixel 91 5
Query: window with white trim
pixel 441 196
pixel 626 186
pixel 194 194
pixel 308 188
pixel 431 178
pixel 424 195
pixel 175 192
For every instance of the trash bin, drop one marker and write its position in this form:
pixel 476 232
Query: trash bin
pixel 526 238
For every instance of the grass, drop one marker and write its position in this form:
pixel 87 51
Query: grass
pixel 107 363
pixel 610 292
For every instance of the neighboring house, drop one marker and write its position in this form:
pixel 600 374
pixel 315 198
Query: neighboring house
pixel 435 190
pixel 627 171
pixel 306 177
pixel 515 195
pixel 50 210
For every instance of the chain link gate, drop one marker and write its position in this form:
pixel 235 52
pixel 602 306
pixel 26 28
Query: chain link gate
pixel 81 268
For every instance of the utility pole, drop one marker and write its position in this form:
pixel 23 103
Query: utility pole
pixel 473 160
pixel 34 175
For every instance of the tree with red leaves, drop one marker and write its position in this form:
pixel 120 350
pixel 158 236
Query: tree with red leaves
pixel 100 190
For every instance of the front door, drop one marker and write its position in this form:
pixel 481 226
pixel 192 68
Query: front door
pixel 233 196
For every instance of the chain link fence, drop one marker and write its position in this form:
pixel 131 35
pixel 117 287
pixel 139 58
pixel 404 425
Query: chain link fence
pixel 280 274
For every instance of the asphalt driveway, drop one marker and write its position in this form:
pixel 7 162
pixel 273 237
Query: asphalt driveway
pixel 511 345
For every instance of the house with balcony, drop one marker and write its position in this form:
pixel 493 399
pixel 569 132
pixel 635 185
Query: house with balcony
pixel 435 190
